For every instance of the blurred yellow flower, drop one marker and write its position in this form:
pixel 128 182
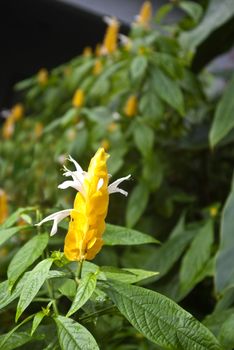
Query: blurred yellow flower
pixel 145 14
pixel 8 127
pixel 97 67
pixel 87 52
pixel 78 98
pixel 111 36
pixel 130 108
pixel 3 206
pixel 17 111
pixel 42 76
pixel 38 130
pixel 98 50
pixel 87 225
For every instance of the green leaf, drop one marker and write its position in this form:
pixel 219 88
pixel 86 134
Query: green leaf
pixel 163 12
pixel 151 107
pixel 68 288
pixel 37 320
pixel 160 319
pixel 168 90
pixel 16 340
pixel 85 289
pixel 137 203
pixel 73 335
pixel 193 9
pixel 118 235
pixel 78 74
pixel 217 13
pixel 127 275
pixel 171 65
pixel 223 121
pixel 224 273
pixel 226 334
pixel 6 297
pixel 138 68
pixel 26 256
pixel 11 220
pixel 7 233
pixel 144 138
pixel 197 256
pixel 32 285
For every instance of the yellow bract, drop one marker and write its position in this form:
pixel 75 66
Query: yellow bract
pixel 97 67
pixel 111 36
pixel 78 98
pixel 87 52
pixel 17 111
pixel 130 108
pixel 3 206
pixel 145 14
pixel 84 237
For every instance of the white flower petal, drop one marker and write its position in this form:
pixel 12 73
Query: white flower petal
pixel 100 184
pixel 57 217
pixel 113 188
pixel 72 184
pixel 78 167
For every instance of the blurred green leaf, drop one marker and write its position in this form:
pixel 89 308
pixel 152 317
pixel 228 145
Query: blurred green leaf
pixel 137 203
pixel 224 116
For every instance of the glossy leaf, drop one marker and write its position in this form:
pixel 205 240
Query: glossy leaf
pixel 73 335
pixel 224 116
pixel 85 289
pixel 32 285
pixel 197 256
pixel 138 68
pixel 32 250
pixel 160 319
pixel 144 138
pixel 118 235
pixel 137 203
pixel 7 233
pixel 224 274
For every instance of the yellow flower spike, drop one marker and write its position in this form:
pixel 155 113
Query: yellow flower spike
pixel 17 111
pixel 8 127
pixel 105 144
pixel 87 52
pixel 97 67
pixel 3 206
pixel 42 76
pixel 130 108
pixel 78 98
pixel 87 224
pixel 111 36
pixel 38 130
pixel 145 14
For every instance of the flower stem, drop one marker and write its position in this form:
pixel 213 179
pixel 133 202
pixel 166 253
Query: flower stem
pixel 79 271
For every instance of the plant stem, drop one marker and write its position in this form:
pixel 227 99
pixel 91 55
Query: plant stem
pixel 79 270
pixel 98 313
pixel 50 291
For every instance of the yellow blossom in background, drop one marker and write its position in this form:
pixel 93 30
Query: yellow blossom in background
pixel 105 144
pixel 98 49
pixel 145 14
pixel 213 211
pixel 42 76
pixel 8 128
pixel 111 36
pixel 97 67
pixel 87 224
pixel 38 130
pixel 130 108
pixel 78 98
pixel 87 52
pixel 3 206
pixel 17 111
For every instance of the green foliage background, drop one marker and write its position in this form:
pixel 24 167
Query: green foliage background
pixel 178 148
